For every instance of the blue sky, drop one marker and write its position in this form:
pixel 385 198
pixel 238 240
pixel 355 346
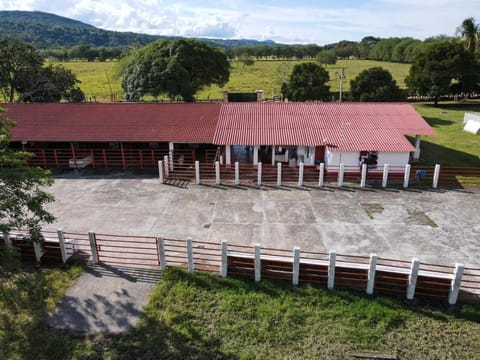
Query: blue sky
pixel 300 21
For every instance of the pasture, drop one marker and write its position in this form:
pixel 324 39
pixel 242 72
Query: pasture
pixel 267 75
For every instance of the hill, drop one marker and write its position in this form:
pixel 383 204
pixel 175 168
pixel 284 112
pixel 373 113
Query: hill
pixel 44 30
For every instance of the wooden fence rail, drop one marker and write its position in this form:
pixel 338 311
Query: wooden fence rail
pixel 372 274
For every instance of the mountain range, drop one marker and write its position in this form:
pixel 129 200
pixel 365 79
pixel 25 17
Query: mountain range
pixel 44 30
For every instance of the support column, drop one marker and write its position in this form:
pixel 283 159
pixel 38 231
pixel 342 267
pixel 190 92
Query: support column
pixel 255 154
pixel 436 176
pixel 406 176
pixel 61 243
pixel 191 266
pixel 259 174
pixel 37 248
pixel 197 172
pixel 162 259
pixel 6 239
pixel 300 174
pixel 371 273
pixel 456 282
pixel 321 174
pixel 341 172
pixel 279 174
pixel 386 169
pixel 224 266
pixel 160 172
pixel 166 166
pixel 228 154
pixel 237 173
pixel 273 155
pixel 296 265
pixel 363 180
pixel 416 154
pixel 217 173
pixel 93 246
pixel 412 278
pixel 332 258
pixel 170 154
pixel 257 263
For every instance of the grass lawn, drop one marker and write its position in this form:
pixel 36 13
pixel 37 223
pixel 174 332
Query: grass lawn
pixel 267 75
pixel 201 316
pixel 451 146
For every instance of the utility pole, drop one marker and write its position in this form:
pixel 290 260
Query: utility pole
pixel 342 76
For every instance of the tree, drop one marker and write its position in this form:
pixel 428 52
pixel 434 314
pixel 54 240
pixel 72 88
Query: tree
pixel 375 84
pixel 22 73
pixel 470 32
pixel 307 82
pixel 246 60
pixel 438 66
pixel 52 84
pixel 177 69
pixel 325 57
pixel 18 63
pixel 22 198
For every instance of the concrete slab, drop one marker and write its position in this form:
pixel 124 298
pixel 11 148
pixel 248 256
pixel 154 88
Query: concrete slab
pixel 436 226
pixel 105 299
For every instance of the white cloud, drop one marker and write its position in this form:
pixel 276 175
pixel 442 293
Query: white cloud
pixel 301 21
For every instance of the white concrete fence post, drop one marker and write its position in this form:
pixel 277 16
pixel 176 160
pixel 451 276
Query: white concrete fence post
pixel 363 180
pixel 61 243
pixel 406 176
pixel 279 174
pixel 37 248
pixel 321 174
pixel 224 266
pixel 217 173
pixel 93 246
pixel 237 173
pixel 301 170
pixel 456 282
pixel 296 266
pixel 257 263
pixel 160 172
pixel 6 239
pixel 197 172
pixel 386 169
pixel 259 174
pixel 371 273
pixel 341 173
pixel 165 166
pixel 332 258
pixel 162 259
pixel 412 278
pixel 191 266
pixel 436 176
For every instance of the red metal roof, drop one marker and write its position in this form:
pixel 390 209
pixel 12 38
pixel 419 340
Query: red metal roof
pixel 129 122
pixel 341 126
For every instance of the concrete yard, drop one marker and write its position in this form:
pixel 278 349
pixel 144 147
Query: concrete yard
pixel 436 226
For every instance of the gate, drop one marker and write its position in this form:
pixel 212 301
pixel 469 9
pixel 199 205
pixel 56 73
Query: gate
pixel 127 250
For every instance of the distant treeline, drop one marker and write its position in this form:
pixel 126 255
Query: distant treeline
pixel 403 50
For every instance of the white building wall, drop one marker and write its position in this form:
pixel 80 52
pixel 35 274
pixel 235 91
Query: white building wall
pixel 351 159
pixel 308 154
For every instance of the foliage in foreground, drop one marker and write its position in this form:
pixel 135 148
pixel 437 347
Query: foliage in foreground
pixel 200 316
pixel 22 197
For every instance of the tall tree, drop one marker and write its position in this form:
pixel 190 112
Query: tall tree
pixel 470 32
pixel 375 84
pixel 22 73
pixel 22 194
pixel 438 66
pixel 307 82
pixel 177 69
pixel 19 63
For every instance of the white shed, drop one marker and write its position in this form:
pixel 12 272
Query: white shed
pixel 471 123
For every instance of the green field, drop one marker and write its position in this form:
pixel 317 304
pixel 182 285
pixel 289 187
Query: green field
pixel 266 75
pixel 200 316
pixel 451 146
